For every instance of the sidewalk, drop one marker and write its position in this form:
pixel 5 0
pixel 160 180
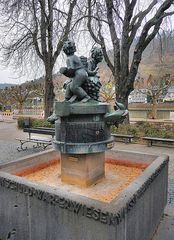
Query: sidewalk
pixel 8 153
pixel 9 144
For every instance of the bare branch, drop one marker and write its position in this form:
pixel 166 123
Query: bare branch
pixel 64 35
pixel 89 24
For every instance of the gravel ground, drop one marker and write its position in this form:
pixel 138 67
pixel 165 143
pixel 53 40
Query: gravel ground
pixel 9 153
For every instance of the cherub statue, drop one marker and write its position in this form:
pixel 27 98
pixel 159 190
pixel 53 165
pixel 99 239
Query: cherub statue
pixel 96 57
pixel 78 74
pixel 92 85
pixel 84 83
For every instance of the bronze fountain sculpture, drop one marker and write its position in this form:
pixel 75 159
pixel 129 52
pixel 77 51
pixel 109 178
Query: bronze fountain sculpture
pixel 82 122
pixel 84 83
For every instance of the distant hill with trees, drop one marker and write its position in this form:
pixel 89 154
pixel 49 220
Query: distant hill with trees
pixel 4 85
pixel 158 58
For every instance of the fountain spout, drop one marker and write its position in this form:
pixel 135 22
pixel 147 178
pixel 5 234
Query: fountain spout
pixel 116 117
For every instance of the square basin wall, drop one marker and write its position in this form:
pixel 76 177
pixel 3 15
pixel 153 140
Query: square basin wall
pixel 36 211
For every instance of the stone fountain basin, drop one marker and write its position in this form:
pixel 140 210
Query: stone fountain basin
pixel 37 211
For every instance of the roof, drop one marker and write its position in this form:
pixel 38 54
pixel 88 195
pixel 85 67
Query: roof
pixel 170 90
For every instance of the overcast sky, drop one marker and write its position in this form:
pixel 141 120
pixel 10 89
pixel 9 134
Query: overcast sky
pixel 8 76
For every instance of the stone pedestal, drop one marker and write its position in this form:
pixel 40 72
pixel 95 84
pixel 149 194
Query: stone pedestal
pixel 82 136
pixel 82 169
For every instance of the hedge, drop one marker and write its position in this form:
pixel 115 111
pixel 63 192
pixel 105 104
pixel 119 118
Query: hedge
pixel 142 129
pixel 33 122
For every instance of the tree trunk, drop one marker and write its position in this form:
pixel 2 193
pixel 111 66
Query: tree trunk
pixel 121 92
pixel 49 92
pixel 20 107
pixel 122 97
pixel 154 108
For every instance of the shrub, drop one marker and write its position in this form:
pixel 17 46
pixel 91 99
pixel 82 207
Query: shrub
pixel 20 122
pixel 142 129
pixel 33 122
pixel 41 123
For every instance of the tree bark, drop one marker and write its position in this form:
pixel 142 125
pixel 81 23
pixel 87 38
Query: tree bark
pixel 21 107
pixel 154 108
pixel 49 91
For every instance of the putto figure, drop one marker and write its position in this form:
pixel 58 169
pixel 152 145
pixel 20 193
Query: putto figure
pixel 92 85
pixel 78 74
pixel 84 84
pixel 96 57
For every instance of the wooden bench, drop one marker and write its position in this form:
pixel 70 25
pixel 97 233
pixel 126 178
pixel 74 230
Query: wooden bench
pixel 39 141
pixel 123 137
pixel 151 140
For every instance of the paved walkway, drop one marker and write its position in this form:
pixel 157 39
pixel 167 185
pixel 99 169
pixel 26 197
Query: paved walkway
pixel 8 152
pixel 9 144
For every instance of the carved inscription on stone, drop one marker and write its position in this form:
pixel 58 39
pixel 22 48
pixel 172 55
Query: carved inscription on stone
pixel 79 208
pixel 73 206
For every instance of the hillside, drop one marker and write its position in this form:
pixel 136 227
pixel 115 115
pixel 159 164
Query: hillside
pixel 158 58
pixel 4 85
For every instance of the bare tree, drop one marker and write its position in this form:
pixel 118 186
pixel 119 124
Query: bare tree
pixel 4 97
pixel 123 25
pixel 154 88
pixel 36 27
pixel 21 93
